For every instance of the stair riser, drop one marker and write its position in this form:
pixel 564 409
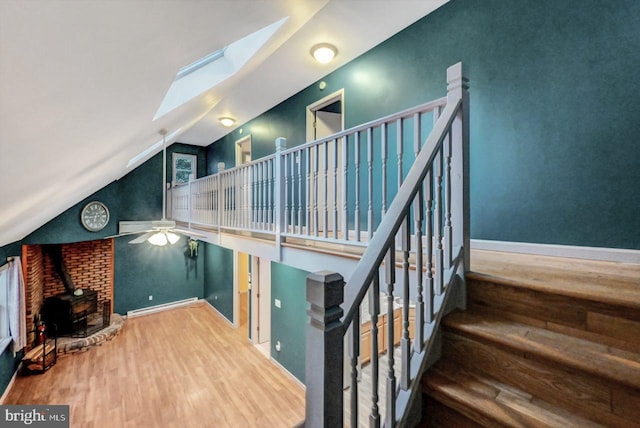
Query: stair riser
pixel 608 324
pixel 440 416
pixel 581 393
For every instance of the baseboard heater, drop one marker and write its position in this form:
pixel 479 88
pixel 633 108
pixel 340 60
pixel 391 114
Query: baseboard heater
pixel 163 307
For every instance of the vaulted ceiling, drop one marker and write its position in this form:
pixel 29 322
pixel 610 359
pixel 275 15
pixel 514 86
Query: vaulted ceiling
pixel 81 81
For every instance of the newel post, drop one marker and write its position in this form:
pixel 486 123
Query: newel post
pixel 325 350
pixel 278 194
pixel 458 88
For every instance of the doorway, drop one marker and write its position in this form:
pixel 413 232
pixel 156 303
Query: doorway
pixel 243 150
pixel 260 302
pixel 243 279
pixel 325 117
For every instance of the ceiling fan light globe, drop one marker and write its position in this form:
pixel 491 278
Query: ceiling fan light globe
pixel 172 237
pixel 159 239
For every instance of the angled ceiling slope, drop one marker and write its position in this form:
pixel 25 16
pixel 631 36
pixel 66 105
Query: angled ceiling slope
pixel 81 82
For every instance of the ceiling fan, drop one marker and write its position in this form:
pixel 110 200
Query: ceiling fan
pixel 157 232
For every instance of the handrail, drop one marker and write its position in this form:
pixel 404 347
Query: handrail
pixel 433 195
pixel 386 232
pixel 430 105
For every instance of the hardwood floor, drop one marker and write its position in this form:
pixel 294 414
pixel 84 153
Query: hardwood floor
pixel 185 367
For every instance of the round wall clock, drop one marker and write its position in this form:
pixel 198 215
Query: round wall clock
pixel 94 216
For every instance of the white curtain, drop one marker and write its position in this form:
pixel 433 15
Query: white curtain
pixel 16 304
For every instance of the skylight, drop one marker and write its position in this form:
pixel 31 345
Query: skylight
pixel 210 70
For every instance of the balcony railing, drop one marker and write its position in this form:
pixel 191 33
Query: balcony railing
pixel 383 186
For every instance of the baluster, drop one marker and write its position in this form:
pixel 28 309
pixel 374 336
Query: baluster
pixel 252 184
pixel 270 205
pixel 345 178
pixel 325 173
pixel 356 214
pixel 399 145
pixel 334 201
pixel 418 341
pixel 293 194
pixel 316 163
pixel 399 149
pixel 428 191
pixel 447 213
pixel 261 195
pixel 354 354
pixel 405 342
pixel 299 161
pixel 308 215
pixel 374 311
pixel 286 195
pixel 383 134
pixel 370 226
pixel 247 197
pixel 437 226
pixel 390 271
pixel 335 195
pixel 236 197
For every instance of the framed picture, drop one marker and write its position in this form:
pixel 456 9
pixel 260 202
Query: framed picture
pixel 183 166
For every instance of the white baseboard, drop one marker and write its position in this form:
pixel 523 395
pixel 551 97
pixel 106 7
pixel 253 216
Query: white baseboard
pixel 287 372
pixel 591 253
pixel 162 307
pixel 219 313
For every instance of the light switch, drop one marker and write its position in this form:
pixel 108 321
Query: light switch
pixel 277 303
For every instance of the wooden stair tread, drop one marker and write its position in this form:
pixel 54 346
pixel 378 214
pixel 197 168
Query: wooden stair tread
pixel 590 357
pixel 490 403
pixel 601 281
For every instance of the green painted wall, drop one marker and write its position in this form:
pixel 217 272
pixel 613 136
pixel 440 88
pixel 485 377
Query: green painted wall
pixel 166 273
pixel 218 284
pixel 554 155
pixel 288 322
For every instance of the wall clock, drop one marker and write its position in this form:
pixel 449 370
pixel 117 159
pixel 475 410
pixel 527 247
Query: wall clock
pixel 94 216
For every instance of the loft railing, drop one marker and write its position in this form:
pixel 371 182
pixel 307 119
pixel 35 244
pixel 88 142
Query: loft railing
pixel 429 214
pixel 334 189
pixel 353 188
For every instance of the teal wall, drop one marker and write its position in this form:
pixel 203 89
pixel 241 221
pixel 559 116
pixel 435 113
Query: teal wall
pixel 166 273
pixel 288 322
pixel 554 155
pixel 218 285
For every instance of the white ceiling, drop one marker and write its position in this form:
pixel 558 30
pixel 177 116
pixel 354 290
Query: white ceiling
pixel 80 82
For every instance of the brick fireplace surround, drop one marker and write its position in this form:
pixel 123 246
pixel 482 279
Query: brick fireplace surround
pixel 89 263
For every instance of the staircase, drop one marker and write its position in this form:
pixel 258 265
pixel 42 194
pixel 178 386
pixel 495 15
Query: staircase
pixel 545 342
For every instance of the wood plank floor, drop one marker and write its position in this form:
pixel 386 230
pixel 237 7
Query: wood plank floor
pixel 185 367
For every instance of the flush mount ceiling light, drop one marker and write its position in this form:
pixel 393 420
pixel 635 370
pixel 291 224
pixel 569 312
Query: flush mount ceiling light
pixel 227 121
pixel 324 52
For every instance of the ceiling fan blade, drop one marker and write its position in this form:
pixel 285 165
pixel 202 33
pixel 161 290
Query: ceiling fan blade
pixel 126 234
pixel 140 239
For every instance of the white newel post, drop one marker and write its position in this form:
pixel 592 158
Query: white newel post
pixel 457 88
pixel 278 194
pixel 324 351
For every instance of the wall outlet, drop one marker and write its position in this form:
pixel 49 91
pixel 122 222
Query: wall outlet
pixel 278 346
pixel 150 297
pixel 277 303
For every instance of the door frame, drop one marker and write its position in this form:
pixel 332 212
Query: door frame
pixel 319 105
pixel 240 144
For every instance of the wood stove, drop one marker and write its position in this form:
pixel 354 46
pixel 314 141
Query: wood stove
pixel 71 313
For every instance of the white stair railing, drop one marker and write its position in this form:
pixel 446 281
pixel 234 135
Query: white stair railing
pixel 434 192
